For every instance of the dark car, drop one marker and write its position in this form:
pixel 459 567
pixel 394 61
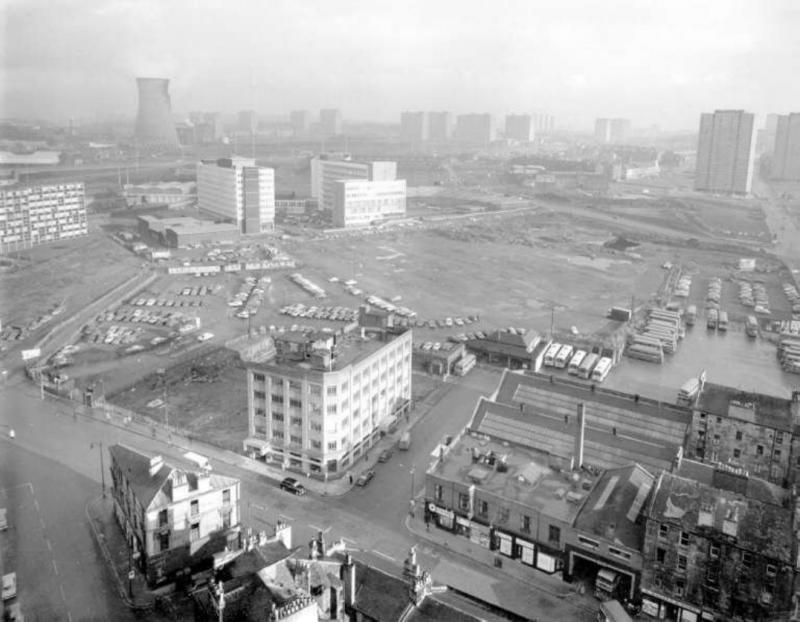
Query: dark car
pixel 364 478
pixel 291 485
pixel 385 455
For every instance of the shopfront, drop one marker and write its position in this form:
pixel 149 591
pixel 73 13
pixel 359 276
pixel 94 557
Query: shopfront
pixel 444 518
pixel 504 543
pixel 664 607
pixel 480 534
pixel 463 526
pixel 548 561
pixel 525 551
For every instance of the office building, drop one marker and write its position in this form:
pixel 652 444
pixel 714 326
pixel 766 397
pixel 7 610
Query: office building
pixel 725 151
pixel 317 401
pixel 239 191
pixel 330 121
pixel 478 129
pixel 440 126
pixel 614 131
pixel 300 121
pixel 172 194
pixel 154 125
pixel 39 214
pixel 327 169
pixel 174 516
pixel 786 156
pixel 358 203
pixel 207 126
pixel 544 123
pixel 247 121
pixel 519 127
pixel 414 127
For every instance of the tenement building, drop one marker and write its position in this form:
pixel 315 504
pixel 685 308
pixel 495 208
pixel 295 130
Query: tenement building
pixel 318 400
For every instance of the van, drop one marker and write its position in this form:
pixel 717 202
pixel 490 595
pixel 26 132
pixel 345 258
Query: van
pixel 405 441
pixel 197 460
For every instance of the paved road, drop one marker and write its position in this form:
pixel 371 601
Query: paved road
pixel 60 573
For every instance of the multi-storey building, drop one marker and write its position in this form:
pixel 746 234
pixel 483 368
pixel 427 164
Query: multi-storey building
pixel 329 169
pixel 440 126
pixel 544 123
pixel 330 121
pixel 208 127
pixel 612 130
pixel 247 121
pixel 358 203
pixel 519 127
pixel 475 128
pixel 751 431
pixel 174 517
pixel 300 121
pixel 786 156
pixel 414 126
pixel 239 191
pixel 725 151
pixel 320 400
pixel 719 549
pixel 40 214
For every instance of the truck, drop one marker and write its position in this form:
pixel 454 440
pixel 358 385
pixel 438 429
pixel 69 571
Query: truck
pixel 751 326
pixel 690 315
pixel 606 584
pixel 405 441
pixel 620 314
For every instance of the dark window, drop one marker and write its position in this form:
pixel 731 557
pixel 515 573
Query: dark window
pixel 226 496
pixel 525 524
pixel 680 586
pixel 463 501
pixel 163 541
pixel 663 531
pixel 713 551
pixel 483 508
pixel 293 403
pixel 260 395
pixel 737 453
pixel 738 436
pixel 162 518
pixel 277 398
pixel 277 416
pixel 554 534
pixel 438 492
pixel 759 450
pixel 259 377
pixel 777 454
pixel 779 438
pixel 194 508
pixel 194 533
pixel 682 562
pixel 661 555
pixel 684 538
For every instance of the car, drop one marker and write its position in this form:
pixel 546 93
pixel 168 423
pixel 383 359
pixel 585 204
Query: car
pixel 365 477
pixel 9 586
pixel 290 484
pixel 3 519
pixel 385 455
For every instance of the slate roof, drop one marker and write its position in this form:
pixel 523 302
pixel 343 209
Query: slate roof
pixel 766 410
pixel 135 466
pixel 380 595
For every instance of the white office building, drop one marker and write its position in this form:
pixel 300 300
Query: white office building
pixel 327 170
pixel 39 214
pixel 725 152
pixel 321 400
pixel 239 191
pixel 359 203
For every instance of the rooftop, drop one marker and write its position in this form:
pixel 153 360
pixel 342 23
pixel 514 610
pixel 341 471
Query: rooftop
pixel 529 479
pixel 696 507
pixel 752 487
pixel 766 410
pixel 186 224
pixel 614 505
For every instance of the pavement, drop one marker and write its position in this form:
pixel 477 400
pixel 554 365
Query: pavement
pixel 502 581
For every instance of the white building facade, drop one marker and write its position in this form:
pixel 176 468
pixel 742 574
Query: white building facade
pixel 237 190
pixel 40 214
pixel 319 418
pixel 327 171
pixel 725 152
pixel 359 203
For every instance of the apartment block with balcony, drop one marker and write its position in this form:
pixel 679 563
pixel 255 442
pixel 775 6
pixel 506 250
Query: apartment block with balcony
pixel 725 152
pixel 175 516
pixel 35 215
pixel 321 400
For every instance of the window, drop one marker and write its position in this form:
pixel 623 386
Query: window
pixel 483 508
pixel 226 520
pixel 277 398
pixel 294 385
pixel 739 435
pixel 316 427
pixel 663 531
pixel 259 377
pixel 163 541
pixel 777 454
pixel 297 421
pixel 502 515
pixel 747 560
pixel 332 445
pixel 619 553
pixel 525 524
pixel 588 542
pixel 316 445
pixel 260 395
pixel 163 518
pixel 682 562
pixel 293 403
pixel 771 570
pixel 331 410
pixel 438 492
pixel 554 534
pixel 680 586
pixel 737 453
pixel 779 438
pixel 331 390
pixel 194 533
pixel 684 538
pixel 226 496
pixel 713 551
pixel 194 508
pixel 297 440
pixel 277 434
pixel 463 502
pixel 661 555
pixel 277 416
pixel 759 450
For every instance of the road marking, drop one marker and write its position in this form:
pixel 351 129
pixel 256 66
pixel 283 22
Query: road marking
pixel 384 555
pixel 36 503
pixel 69 616
pixel 49 546
pixel 55 567
pixel 63 597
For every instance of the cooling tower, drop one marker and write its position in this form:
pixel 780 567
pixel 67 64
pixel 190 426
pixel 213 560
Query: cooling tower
pixel 154 125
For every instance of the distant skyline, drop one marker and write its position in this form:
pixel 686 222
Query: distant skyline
pixel 656 63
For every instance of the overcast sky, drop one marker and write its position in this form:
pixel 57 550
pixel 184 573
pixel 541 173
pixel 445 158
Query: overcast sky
pixel 653 62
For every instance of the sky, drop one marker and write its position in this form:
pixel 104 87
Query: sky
pixel 654 62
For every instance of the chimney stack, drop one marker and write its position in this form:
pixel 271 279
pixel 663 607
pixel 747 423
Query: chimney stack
pixel 349 572
pixel 579 436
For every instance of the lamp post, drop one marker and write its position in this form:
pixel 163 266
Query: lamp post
pixel 102 468
pixel 411 503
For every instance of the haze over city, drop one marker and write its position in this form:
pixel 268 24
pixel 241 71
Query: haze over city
pixel 656 63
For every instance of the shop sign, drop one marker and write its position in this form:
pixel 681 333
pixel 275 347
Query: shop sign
pixel 462 521
pixel 651 608
pixel 441 511
pixel 546 562
pixel 505 543
pixel 527 549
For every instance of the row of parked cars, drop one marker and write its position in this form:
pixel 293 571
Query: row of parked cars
pixel 447 322
pixel 342 314
pixel 164 302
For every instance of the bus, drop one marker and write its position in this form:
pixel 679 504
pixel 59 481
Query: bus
pixel 691 315
pixel 575 362
pixel 711 320
pixel 587 366
pixel 563 356
pixel 550 355
pixel 722 321
pixel 751 326
pixel 689 391
pixel 601 370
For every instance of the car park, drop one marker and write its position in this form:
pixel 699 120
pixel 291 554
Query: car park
pixel 290 484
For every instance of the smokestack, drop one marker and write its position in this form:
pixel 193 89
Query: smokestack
pixel 154 125
pixel 579 436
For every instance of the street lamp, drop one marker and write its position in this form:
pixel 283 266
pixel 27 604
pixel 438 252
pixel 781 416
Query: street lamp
pixel 411 503
pixel 102 469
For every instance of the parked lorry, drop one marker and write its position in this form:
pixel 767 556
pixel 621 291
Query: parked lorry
pixel 405 441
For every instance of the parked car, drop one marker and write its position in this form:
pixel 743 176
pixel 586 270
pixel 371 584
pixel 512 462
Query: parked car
pixel 290 484
pixel 9 586
pixel 364 478
pixel 385 455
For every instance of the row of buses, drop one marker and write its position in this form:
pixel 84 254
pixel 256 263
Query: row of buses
pixel 587 365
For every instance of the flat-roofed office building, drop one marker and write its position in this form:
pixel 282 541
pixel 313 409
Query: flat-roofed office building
pixel 725 152
pixel 358 203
